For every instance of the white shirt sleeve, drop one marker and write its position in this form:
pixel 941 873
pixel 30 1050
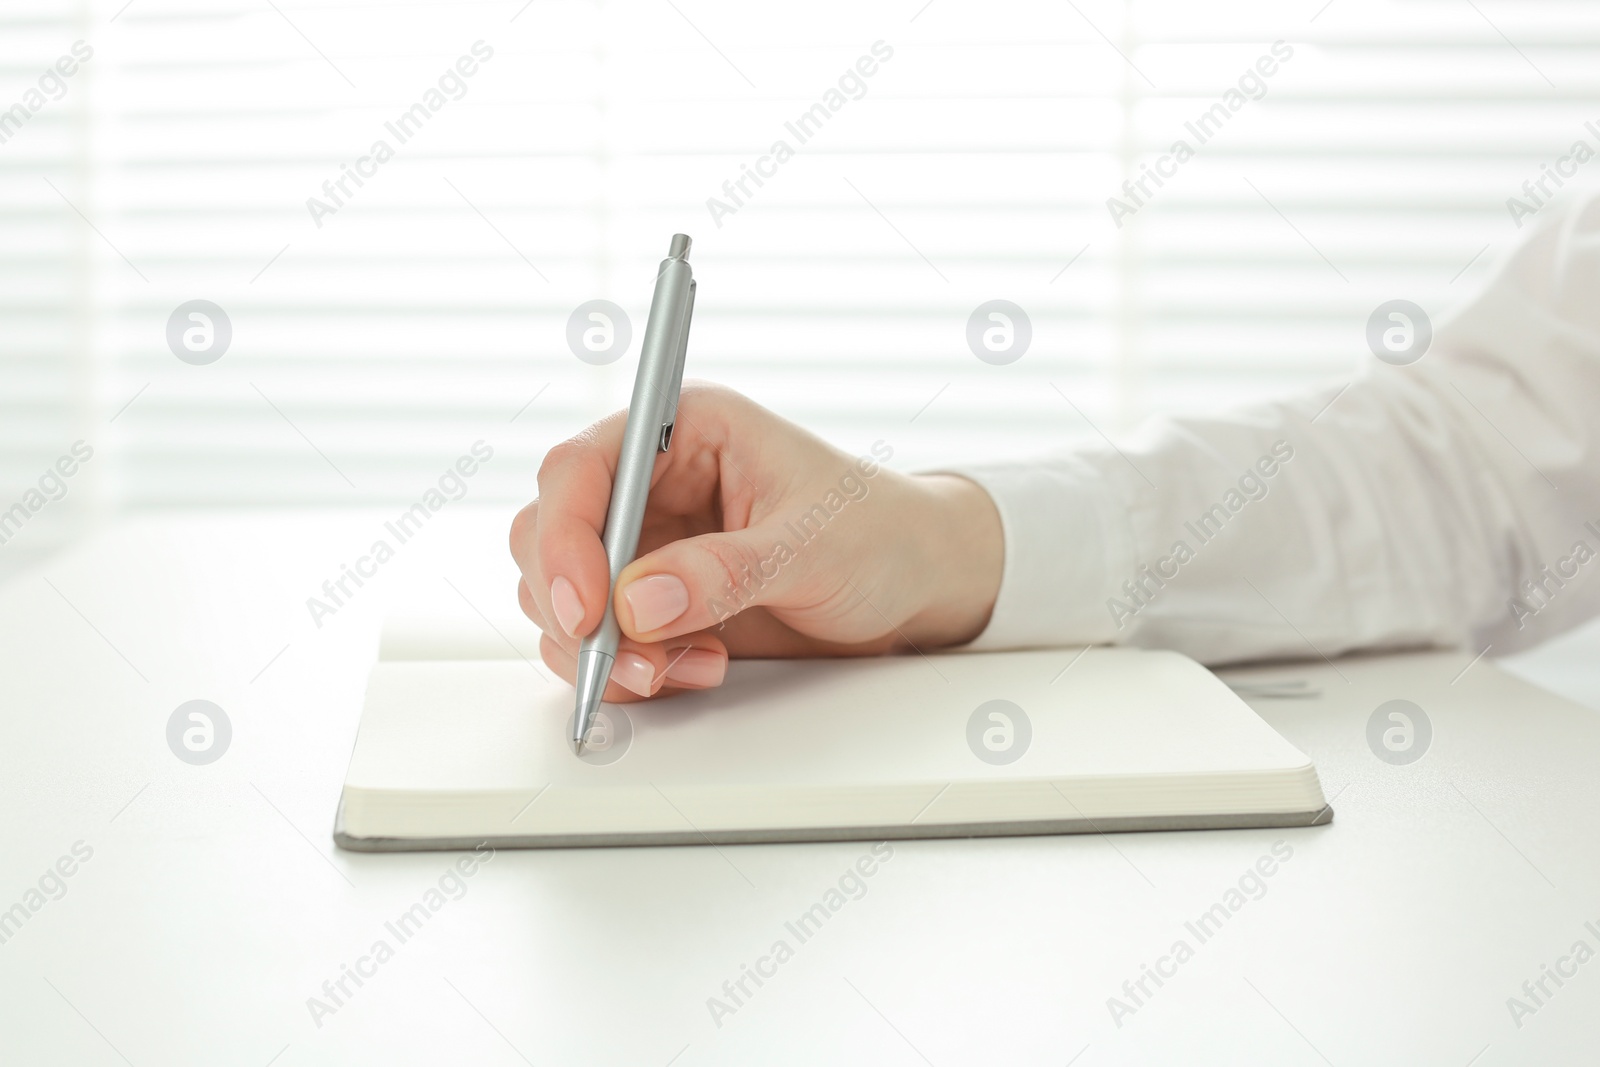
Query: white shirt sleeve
pixel 1454 501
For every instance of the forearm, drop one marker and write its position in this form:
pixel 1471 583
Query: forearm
pixel 1420 506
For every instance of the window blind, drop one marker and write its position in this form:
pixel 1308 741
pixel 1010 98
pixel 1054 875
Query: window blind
pixel 45 274
pixel 388 308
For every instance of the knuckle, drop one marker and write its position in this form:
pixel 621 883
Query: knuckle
pixel 699 387
pixel 559 458
pixel 583 447
pixel 700 393
pixel 734 566
pixel 523 523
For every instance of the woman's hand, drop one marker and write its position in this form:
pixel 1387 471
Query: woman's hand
pixel 760 540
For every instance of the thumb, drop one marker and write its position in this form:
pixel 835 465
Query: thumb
pixel 699 582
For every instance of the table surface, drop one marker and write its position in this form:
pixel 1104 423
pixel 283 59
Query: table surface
pixel 213 906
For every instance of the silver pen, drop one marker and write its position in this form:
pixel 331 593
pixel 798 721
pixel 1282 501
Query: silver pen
pixel 651 414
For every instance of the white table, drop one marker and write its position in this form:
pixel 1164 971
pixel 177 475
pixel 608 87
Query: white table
pixel 215 904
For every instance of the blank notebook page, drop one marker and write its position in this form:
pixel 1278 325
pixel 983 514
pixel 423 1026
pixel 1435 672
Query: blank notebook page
pixel 450 747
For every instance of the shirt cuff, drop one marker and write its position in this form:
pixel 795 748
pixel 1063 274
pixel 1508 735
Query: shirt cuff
pixel 1066 535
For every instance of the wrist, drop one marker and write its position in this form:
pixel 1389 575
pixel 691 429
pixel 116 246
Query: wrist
pixel 958 545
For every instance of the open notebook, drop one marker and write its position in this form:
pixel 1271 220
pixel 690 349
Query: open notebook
pixel 454 753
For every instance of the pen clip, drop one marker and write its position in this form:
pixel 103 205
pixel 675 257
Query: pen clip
pixel 670 417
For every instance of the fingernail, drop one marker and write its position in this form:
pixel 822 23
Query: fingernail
pixel 656 600
pixel 568 608
pixel 699 667
pixel 634 673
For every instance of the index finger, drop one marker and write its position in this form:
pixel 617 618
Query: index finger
pixel 567 523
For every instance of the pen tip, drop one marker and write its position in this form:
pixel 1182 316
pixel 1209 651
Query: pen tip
pixel 577 746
